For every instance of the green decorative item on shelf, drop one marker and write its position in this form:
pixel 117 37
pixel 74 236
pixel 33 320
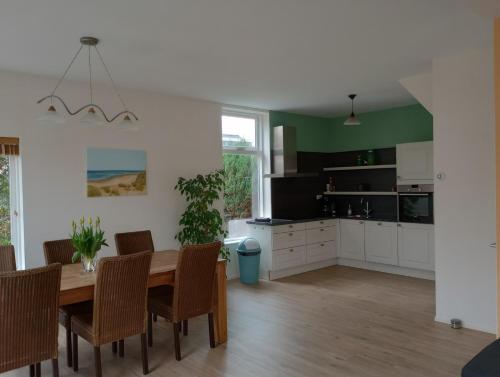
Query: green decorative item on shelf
pixel 359 160
pixel 87 239
pixel 201 222
pixel 370 157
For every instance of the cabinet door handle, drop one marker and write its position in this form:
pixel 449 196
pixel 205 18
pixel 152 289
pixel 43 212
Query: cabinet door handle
pixel 321 230
pixel 322 245
pixel 399 177
pixel 321 222
pixel 361 222
pixel 494 244
pixel 290 234
pixel 399 225
pixel 379 224
pixel 291 250
pixel 290 226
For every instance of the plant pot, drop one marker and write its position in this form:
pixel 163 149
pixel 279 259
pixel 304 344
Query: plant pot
pixel 89 264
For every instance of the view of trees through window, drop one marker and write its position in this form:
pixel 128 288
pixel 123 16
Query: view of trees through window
pixel 4 201
pixel 238 186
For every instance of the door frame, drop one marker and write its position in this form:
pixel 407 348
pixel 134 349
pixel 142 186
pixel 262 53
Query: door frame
pixel 496 64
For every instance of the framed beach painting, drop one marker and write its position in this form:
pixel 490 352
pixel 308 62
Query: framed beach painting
pixel 116 172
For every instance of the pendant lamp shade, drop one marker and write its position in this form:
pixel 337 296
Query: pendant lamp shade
pixel 128 124
pixel 51 116
pixel 92 118
pixel 353 120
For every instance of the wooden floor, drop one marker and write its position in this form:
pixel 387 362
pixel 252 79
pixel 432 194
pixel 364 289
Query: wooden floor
pixel 338 321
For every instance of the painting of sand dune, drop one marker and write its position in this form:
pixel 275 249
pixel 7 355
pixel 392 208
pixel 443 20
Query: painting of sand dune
pixel 116 172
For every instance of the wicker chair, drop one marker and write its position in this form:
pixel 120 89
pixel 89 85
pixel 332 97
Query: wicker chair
pixel 7 258
pixel 120 302
pixel 192 295
pixel 61 251
pixel 28 318
pixel 134 242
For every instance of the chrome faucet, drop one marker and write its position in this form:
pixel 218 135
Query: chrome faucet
pixel 367 210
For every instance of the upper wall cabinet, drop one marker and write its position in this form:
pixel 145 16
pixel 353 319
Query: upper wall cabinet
pixel 414 163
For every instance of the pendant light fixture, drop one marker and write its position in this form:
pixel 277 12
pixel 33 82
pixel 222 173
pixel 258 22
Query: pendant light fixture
pixel 353 120
pixel 94 114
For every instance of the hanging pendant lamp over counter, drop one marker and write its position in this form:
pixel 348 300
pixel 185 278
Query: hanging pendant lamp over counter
pixel 353 120
pixel 94 114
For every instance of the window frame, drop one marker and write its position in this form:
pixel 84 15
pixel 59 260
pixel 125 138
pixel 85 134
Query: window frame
pixel 261 119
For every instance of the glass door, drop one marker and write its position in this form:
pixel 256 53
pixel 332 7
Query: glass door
pixel 10 206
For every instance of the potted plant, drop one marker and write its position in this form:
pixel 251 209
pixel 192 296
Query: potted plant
pixel 87 239
pixel 201 222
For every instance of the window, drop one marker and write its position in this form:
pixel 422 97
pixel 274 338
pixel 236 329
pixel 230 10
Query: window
pixel 243 139
pixel 10 197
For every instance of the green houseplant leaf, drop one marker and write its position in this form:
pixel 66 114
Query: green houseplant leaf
pixel 201 222
pixel 87 238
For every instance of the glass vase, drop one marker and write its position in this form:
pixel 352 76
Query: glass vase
pixel 89 264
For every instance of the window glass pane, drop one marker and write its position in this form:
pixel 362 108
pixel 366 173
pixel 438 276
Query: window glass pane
pixel 238 131
pixel 240 191
pixel 4 201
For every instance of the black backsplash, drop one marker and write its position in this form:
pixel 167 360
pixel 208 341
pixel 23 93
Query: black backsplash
pixel 295 198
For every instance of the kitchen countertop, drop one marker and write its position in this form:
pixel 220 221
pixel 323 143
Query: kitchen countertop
pixel 275 222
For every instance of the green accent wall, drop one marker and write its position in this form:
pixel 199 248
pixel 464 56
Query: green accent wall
pixel 379 129
pixel 312 132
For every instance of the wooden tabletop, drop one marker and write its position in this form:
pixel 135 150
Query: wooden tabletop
pixel 78 286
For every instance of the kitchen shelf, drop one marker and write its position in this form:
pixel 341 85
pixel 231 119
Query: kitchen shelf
pixel 380 193
pixel 364 167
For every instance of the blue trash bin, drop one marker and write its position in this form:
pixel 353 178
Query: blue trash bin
pixel 249 260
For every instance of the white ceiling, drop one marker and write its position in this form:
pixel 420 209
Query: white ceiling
pixel 297 55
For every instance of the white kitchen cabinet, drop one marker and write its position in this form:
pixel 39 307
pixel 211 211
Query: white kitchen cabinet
pixel 352 239
pixel 416 246
pixel 288 258
pixel 321 251
pixel 414 163
pixel 290 249
pixel 381 242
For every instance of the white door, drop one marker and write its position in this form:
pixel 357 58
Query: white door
pixel 352 239
pixel 381 242
pixel 414 162
pixel 416 246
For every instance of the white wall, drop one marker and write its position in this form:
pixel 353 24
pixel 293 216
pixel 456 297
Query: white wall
pixel 464 149
pixel 420 87
pixel 182 137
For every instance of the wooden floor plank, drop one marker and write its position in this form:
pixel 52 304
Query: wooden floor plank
pixel 337 321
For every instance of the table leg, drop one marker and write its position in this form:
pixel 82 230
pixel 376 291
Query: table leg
pixel 220 310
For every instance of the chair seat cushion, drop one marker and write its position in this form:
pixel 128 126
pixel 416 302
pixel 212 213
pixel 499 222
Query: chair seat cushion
pixel 486 363
pixel 67 311
pixel 161 302
pixel 81 324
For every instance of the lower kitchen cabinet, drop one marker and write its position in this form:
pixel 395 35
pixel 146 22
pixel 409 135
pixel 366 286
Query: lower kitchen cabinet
pixel 321 251
pixel 398 244
pixel 381 242
pixel 352 239
pixel 288 258
pixel 297 247
pixel 416 246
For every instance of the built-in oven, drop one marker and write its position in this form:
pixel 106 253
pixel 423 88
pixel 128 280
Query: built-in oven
pixel 415 203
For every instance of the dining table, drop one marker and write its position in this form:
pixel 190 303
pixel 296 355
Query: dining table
pixel 78 286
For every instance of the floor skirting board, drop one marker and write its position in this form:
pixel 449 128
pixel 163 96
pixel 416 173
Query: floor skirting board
pixel 468 325
pixel 429 275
